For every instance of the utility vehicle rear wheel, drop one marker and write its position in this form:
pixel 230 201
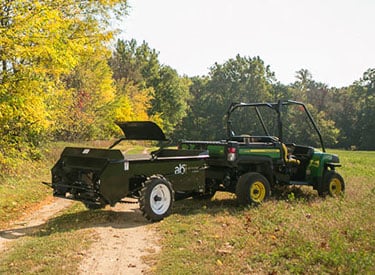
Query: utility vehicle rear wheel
pixel 252 188
pixel 156 200
pixel 332 184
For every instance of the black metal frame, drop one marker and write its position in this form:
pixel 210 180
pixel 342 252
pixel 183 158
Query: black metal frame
pixel 277 108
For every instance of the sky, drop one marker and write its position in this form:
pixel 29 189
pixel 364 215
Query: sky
pixel 333 39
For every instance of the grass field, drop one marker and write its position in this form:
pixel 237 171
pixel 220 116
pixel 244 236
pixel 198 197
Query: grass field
pixel 296 231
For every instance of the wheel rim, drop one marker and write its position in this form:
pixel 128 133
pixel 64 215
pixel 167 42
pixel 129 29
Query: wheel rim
pixel 257 191
pixel 335 187
pixel 160 199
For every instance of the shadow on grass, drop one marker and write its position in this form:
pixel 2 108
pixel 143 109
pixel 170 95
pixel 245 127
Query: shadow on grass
pixel 224 202
pixel 68 222
pixel 297 193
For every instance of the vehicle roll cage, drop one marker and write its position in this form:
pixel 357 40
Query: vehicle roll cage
pixel 277 107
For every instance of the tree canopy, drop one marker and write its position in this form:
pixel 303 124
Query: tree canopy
pixel 62 79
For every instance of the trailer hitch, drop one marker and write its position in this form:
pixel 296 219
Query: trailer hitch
pixel 49 184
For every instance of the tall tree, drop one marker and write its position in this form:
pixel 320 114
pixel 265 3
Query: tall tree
pixel 242 79
pixel 171 96
pixel 134 67
pixel 301 87
pixel 86 110
pixel 196 119
pixel 366 121
pixel 140 67
pixel 40 43
pixel 343 107
pixel 133 63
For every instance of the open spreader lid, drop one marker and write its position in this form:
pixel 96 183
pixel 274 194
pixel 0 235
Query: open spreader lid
pixel 141 130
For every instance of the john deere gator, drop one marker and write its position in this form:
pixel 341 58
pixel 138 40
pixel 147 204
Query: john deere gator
pixel 261 152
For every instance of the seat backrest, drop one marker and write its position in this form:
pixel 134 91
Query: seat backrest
pixel 288 159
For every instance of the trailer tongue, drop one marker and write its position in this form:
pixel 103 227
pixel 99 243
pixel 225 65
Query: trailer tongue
pixel 100 177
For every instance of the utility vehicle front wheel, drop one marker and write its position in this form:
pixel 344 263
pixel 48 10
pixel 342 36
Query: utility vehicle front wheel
pixel 156 200
pixel 252 188
pixel 332 184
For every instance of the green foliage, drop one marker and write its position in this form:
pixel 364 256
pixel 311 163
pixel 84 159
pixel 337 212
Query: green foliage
pixel 352 109
pixel 134 64
pixel 89 100
pixel 140 77
pixel 344 116
pixel 43 43
pixel 195 120
pixel 241 79
pixel 367 111
pixel 133 67
pixel 171 95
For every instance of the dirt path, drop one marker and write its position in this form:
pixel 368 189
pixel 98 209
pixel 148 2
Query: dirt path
pixel 121 246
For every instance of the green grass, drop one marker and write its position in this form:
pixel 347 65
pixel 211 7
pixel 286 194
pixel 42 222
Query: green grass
pixel 21 189
pixel 53 248
pixel 295 232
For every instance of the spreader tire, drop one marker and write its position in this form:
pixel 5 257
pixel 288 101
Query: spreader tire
pixel 252 188
pixel 332 184
pixel 157 197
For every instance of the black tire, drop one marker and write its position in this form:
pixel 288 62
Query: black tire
pixel 156 200
pixel 333 184
pixel 252 188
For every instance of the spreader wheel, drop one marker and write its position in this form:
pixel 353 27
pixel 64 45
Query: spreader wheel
pixel 252 188
pixel 332 184
pixel 156 200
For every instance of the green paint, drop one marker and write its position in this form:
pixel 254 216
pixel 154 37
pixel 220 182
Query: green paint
pixel 272 152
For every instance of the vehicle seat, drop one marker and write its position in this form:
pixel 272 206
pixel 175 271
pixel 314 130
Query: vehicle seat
pixel 246 139
pixel 288 158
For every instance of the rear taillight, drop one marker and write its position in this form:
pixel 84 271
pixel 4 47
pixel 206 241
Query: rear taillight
pixel 232 154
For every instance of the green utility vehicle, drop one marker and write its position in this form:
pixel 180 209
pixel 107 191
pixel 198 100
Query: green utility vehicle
pixel 261 152
pixel 100 177
pixel 249 165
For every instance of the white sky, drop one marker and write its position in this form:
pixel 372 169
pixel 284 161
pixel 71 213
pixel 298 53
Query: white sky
pixel 333 39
